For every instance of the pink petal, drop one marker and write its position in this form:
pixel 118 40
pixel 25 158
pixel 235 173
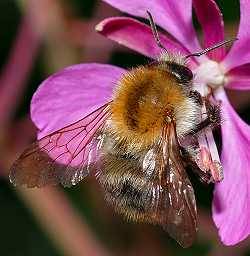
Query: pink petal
pixel 174 16
pixel 137 36
pixel 239 78
pixel 231 205
pixel 211 21
pixel 240 52
pixel 71 94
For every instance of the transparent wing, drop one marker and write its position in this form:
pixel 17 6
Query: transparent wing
pixel 65 156
pixel 182 215
pixel 173 203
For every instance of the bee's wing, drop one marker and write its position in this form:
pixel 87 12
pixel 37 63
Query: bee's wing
pixel 182 215
pixel 173 202
pixel 64 156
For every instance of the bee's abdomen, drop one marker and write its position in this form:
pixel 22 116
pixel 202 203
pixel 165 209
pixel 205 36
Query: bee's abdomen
pixel 126 197
pixel 133 193
pixel 126 189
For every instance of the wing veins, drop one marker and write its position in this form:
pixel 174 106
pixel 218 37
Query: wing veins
pixel 46 152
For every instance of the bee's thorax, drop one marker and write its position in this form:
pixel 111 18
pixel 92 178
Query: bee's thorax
pixel 146 100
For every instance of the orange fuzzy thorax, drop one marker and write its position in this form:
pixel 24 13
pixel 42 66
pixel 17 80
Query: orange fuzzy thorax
pixel 144 101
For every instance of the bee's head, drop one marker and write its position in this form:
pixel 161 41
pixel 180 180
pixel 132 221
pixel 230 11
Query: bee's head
pixel 182 73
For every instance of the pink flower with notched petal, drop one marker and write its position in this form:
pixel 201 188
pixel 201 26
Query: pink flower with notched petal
pixel 78 90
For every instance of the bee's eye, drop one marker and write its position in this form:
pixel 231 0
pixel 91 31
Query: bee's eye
pixel 183 74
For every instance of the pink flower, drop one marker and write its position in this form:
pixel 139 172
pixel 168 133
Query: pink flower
pixel 78 90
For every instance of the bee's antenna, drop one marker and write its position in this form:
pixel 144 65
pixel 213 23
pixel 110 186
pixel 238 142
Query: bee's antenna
pixel 197 54
pixel 155 32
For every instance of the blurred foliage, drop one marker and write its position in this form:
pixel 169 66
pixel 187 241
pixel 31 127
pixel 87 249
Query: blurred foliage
pixel 9 19
pixel 83 8
pixel 230 10
pixel 128 59
pixel 20 234
pixel 36 77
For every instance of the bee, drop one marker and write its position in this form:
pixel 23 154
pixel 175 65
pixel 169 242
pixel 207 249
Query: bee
pixel 139 146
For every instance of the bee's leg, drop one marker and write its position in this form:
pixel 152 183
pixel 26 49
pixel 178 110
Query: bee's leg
pixel 212 120
pixel 190 161
pixel 201 161
pixel 196 96
pixel 206 164
pixel 213 114
pixel 202 165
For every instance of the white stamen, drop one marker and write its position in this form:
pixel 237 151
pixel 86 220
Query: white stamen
pixel 210 73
